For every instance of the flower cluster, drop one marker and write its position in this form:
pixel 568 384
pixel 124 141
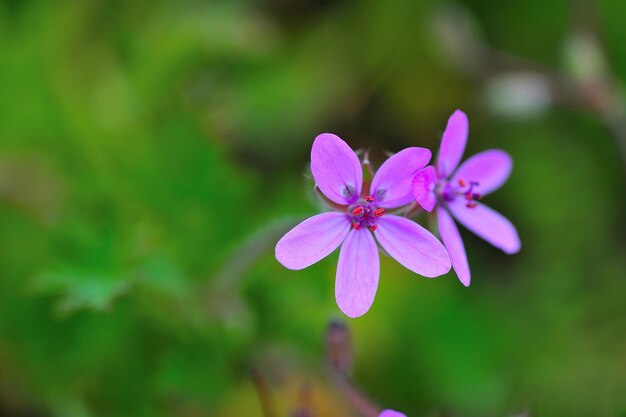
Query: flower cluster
pixel 364 215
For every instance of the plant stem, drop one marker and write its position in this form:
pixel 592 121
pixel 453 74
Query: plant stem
pixel 263 391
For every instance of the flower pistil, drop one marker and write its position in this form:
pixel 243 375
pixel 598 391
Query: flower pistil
pixel 366 213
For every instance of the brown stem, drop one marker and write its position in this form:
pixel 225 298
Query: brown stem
pixel 339 358
pixel 304 407
pixel 263 391
pixel 354 396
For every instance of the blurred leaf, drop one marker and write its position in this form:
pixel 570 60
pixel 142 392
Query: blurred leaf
pixel 76 289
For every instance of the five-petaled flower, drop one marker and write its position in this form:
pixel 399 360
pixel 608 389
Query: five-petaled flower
pixel 358 219
pixel 456 192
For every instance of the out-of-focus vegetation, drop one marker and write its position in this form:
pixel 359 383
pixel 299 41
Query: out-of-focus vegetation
pixel 151 153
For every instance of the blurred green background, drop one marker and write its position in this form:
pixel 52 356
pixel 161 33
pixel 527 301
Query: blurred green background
pixel 153 152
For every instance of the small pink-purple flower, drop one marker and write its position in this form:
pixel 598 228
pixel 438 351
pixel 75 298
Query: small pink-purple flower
pixel 455 192
pixel 391 413
pixel 360 219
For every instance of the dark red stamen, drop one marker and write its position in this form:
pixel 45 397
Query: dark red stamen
pixel 373 227
pixel 462 182
pixel 369 199
pixel 477 196
pixel 356 226
pixel 471 205
pixel 379 212
pixel 468 196
pixel 358 211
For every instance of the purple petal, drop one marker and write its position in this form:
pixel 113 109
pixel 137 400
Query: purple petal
pixel 412 246
pixel 454 244
pixel 336 169
pixel 488 224
pixel 391 185
pixel 390 413
pixel 452 144
pixel 313 239
pixel 490 169
pixel 423 188
pixel 357 273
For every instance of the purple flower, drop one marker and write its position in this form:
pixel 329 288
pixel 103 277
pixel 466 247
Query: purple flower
pixel 456 192
pixel 390 413
pixel 357 217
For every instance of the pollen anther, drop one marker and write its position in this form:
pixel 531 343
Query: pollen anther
pixel 356 226
pixel 373 227
pixel 358 211
pixel 379 212
pixel 369 199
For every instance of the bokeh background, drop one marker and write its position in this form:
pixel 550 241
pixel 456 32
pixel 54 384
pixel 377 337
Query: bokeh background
pixel 153 152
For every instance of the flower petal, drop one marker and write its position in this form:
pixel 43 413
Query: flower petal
pixel 423 188
pixel 488 224
pixel 490 169
pixel 454 244
pixel 313 239
pixel 336 169
pixel 391 185
pixel 391 413
pixel 452 144
pixel 412 246
pixel 357 273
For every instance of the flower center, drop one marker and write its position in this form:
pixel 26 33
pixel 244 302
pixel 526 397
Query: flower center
pixel 449 191
pixel 365 214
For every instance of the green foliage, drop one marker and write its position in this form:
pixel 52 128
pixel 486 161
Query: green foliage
pixel 151 154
